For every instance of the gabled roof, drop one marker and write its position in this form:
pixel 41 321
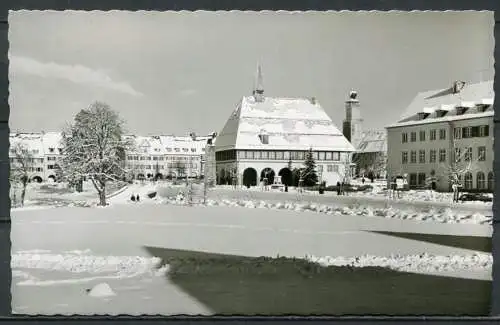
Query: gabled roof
pixel 287 123
pixel 373 141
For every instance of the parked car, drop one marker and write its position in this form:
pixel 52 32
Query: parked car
pixel 475 197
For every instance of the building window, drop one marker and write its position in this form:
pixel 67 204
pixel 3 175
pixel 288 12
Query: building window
pixel 484 130
pixel 442 155
pixel 421 179
pixel 442 134
pixel 413 157
pixel 413 136
pixel 458 154
pixel 328 155
pixel 280 155
pixel 50 166
pixel 468 181
pixel 177 149
pixel 39 169
pixel 315 155
pixel 264 155
pixel 467 132
pixel 321 155
pixel 286 155
pixel 491 181
pixel 320 168
pixel 413 179
pixel 432 135
pixel 51 149
pixel 481 181
pixel 457 133
pixel 422 135
pixel 300 155
pixel 256 155
pixel 336 168
pixel 481 153
pixel 404 157
pixel 421 156
pixel 404 137
pixel 336 156
pixel 329 168
pixel 468 154
pixel 272 155
pixel 432 156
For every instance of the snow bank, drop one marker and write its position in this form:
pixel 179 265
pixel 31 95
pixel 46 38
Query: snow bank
pixel 111 267
pixel 441 215
pixel 423 263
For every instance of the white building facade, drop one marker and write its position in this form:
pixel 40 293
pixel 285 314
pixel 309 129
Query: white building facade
pixel 167 156
pixel 446 134
pixel 41 151
pixel 267 137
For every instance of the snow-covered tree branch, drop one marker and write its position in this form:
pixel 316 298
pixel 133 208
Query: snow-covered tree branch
pixel 94 148
pixel 20 168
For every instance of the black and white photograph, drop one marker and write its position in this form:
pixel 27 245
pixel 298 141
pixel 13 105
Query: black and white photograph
pixel 251 163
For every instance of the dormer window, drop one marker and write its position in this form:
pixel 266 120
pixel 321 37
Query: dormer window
pixel 422 115
pixel 482 108
pixel 264 137
pixel 51 149
pixel 441 112
pixel 461 110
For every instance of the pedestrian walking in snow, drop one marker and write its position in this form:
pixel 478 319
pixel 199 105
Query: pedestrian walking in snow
pixel 137 198
pixel 132 198
pixel 363 181
pixel 338 188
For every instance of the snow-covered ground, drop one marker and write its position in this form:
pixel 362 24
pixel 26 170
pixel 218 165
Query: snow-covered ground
pixel 54 195
pixel 72 250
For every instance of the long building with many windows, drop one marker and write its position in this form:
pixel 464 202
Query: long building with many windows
pixel 164 156
pixel 446 136
pixel 167 156
pixel 267 137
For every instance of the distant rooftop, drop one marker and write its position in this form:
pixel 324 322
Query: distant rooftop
pixel 373 141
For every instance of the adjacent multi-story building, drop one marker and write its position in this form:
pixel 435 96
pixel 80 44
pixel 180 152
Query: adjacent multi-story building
pixel 265 137
pixel 153 156
pixel 446 135
pixel 167 156
pixel 40 152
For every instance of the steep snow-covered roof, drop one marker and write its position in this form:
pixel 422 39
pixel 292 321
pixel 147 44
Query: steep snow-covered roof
pixel 287 123
pixel 30 141
pixel 51 140
pixel 373 141
pixel 446 101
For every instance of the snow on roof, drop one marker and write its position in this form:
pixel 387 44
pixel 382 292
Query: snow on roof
pixel 373 141
pixel 287 124
pixel 469 95
pixel 51 140
pixel 452 117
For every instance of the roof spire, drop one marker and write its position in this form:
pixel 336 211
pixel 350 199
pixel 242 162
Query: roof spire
pixel 258 90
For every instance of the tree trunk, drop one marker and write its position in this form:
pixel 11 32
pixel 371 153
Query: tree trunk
pixel 102 196
pixel 23 193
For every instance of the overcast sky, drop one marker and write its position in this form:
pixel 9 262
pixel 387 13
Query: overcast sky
pixel 172 73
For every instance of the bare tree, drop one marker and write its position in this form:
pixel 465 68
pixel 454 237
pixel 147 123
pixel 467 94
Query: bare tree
pixel 94 148
pixel 179 168
pixel 460 162
pixel 346 172
pixel 20 168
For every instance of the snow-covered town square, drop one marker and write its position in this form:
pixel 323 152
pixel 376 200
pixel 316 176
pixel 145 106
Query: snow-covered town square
pixel 201 172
